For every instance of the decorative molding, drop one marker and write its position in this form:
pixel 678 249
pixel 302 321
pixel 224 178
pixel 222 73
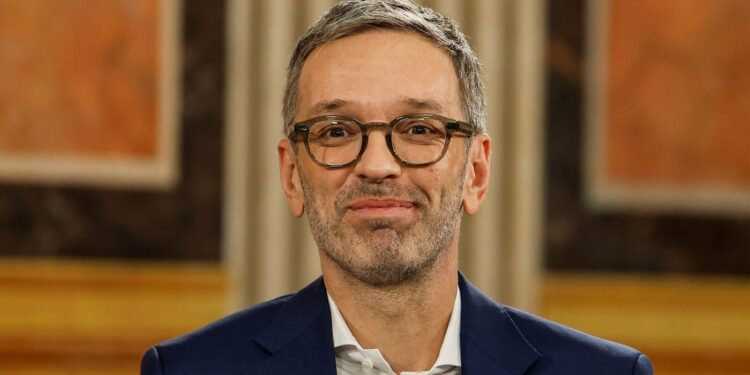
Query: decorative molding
pixel 686 325
pixel 88 317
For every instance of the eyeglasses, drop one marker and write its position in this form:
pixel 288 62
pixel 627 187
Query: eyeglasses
pixel 414 140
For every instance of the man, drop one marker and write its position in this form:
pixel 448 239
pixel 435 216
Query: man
pixel 385 148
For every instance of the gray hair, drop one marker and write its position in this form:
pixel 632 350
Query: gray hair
pixel 351 17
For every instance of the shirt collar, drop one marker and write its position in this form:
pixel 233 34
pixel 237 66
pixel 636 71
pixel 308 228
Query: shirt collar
pixel 342 335
pixel 450 350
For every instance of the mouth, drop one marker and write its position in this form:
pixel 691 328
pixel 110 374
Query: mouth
pixel 379 209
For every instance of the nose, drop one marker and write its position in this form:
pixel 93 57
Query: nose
pixel 377 163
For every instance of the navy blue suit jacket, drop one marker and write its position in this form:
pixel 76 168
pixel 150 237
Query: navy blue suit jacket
pixel 292 335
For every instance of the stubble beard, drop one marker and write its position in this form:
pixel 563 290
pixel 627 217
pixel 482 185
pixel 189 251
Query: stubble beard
pixel 385 253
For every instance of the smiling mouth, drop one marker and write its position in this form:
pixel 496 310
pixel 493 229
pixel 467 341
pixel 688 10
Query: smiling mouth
pixel 369 209
pixel 369 204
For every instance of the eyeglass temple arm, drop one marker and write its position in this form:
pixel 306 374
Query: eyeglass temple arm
pixel 461 126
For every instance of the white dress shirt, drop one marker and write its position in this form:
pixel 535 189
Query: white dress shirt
pixel 352 359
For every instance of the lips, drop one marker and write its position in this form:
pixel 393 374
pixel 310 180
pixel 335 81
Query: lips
pixel 383 210
pixel 380 204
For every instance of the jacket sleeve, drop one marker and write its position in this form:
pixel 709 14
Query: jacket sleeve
pixel 151 364
pixel 643 366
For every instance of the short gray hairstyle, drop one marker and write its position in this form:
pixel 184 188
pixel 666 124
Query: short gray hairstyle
pixel 351 17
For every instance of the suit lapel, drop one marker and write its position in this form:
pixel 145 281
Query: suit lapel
pixel 300 340
pixel 490 341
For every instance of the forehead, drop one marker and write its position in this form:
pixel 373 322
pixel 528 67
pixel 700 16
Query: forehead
pixel 378 73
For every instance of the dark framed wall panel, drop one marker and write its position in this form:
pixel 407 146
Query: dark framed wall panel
pixel 181 223
pixel 581 237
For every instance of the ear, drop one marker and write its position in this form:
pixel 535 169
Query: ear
pixel 290 180
pixel 477 176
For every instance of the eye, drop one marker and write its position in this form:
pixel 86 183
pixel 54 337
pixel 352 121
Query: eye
pixel 420 129
pixel 334 131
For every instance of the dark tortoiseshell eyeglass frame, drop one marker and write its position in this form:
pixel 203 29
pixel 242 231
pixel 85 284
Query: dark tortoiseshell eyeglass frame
pixel 301 130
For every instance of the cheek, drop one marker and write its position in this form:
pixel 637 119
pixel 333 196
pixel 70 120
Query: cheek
pixel 445 177
pixel 433 181
pixel 326 184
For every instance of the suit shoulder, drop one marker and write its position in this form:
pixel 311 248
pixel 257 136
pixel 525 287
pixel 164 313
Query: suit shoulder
pixel 545 333
pixel 231 336
pixel 245 323
pixel 564 348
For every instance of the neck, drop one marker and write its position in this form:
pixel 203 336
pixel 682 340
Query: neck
pixel 407 323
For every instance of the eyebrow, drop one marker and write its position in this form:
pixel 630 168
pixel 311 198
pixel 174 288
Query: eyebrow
pixel 415 103
pixel 329 105
pixel 424 105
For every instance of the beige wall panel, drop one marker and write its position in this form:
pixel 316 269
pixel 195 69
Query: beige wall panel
pixel 451 8
pixel 272 246
pixel 482 249
pixel 527 121
pixel 236 152
pixel 306 250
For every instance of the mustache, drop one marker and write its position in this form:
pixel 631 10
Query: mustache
pixel 379 190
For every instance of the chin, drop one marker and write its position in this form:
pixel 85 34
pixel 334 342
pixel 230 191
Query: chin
pixel 385 277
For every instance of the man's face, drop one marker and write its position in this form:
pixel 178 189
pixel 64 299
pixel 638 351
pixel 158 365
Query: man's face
pixel 377 220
